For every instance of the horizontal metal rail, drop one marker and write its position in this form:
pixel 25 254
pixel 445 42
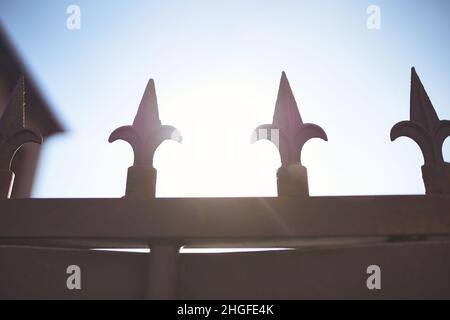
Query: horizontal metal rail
pixel 225 219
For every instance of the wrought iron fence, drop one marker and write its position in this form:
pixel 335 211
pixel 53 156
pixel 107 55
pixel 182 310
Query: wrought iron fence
pixel 397 230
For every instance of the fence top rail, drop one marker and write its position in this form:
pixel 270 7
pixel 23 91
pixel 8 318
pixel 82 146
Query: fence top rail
pixel 225 219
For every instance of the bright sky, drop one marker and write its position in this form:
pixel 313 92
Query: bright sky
pixel 217 65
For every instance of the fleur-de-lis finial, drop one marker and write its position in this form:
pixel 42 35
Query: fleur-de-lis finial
pixel 145 136
pixel 429 132
pixel 13 135
pixel 289 134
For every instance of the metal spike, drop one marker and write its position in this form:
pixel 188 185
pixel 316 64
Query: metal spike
pixel 429 132
pixel 145 136
pixel 287 116
pixel 422 110
pixel 13 119
pixel 147 117
pixel 290 134
pixel 13 135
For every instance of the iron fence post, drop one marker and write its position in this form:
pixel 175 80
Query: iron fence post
pixel 145 135
pixel 429 132
pixel 162 281
pixel 13 135
pixel 289 134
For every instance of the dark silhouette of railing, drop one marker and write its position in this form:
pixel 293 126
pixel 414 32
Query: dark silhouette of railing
pixel 165 225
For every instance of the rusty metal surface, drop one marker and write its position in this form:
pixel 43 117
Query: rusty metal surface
pixel 145 136
pixel 146 133
pixel 12 68
pixel 13 135
pixel 224 219
pixel 39 273
pixel 429 132
pixel 287 121
pixel 289 134
pixel 409 271
pixel 167 224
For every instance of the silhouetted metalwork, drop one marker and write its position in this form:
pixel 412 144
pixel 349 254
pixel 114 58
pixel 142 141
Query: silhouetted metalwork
pixel 145 136
pixel 429 132
pixel 40 238
pixel 13 135
pixel 289 134
pixel 40 114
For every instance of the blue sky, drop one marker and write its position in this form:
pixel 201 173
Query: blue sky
pixel 217 65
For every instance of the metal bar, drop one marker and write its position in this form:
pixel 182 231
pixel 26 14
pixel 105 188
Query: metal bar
pixel 6 184
pixel 163 272
pixel 224 219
